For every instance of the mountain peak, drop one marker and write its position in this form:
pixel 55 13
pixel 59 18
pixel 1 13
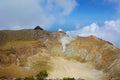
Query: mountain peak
pixel 38 28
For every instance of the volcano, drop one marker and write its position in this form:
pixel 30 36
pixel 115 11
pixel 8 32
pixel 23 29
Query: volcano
pixel 24 53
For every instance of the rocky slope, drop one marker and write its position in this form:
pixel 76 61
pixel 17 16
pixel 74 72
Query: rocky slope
pixel 72 68
pixel 99 53
pixel 61 55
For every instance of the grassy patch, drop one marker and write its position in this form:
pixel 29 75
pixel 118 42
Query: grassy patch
pixel 13 44
pixel 8 35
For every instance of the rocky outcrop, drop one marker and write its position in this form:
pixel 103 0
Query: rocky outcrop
pixel 40 34
pixel 38 28
pixel 56 35
pixel 43 35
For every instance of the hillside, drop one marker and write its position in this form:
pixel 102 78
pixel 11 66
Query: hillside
pixel 27 52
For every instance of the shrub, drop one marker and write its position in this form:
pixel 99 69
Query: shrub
pixel 29 78
pixel 68 78
pixel 42 75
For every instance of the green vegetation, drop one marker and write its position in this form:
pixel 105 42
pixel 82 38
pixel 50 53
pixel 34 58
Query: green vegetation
pixel 41 76
pixel 29 78
pixel 67 78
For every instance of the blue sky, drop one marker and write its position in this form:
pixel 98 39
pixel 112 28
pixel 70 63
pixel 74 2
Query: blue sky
pixel 87 12
pixel 79 17
pixel 55 14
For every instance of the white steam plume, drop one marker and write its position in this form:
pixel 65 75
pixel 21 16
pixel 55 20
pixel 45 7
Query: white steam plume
pixel 66 40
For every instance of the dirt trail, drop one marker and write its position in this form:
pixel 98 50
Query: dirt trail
pixel 70 68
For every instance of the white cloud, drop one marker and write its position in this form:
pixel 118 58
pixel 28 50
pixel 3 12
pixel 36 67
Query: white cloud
pixel 91 29
pixel 63 6
pixel 114 25
pixel 109 31
pixel 29 13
